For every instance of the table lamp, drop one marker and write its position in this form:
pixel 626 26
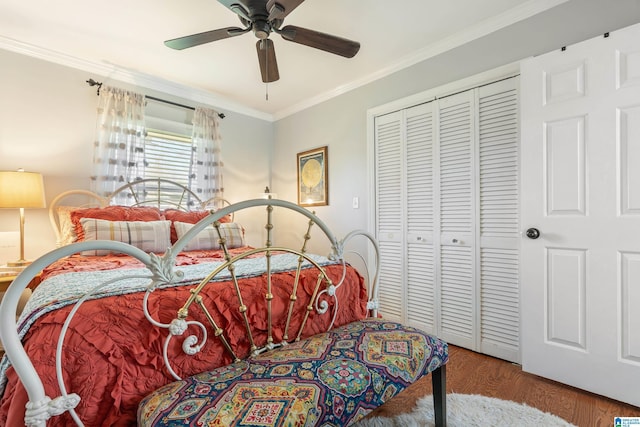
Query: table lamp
pixel 20 190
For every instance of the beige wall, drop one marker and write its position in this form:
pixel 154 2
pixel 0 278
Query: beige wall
pixel 47 125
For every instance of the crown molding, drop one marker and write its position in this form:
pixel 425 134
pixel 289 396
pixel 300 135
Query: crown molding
pixel 488 26
pixel 113 72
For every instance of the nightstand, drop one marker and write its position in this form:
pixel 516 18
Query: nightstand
pixel 5 281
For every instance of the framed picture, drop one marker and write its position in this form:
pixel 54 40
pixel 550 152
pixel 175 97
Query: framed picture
pixel 313 185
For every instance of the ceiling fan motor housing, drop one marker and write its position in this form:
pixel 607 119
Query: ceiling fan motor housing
pixel 263 17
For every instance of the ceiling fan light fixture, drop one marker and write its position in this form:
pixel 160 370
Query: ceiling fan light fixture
pixel 261 29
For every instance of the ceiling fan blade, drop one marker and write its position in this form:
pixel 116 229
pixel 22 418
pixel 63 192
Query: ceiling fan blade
pixel 278 9
pixel 202 38
pixel 267 60
pixel 327 42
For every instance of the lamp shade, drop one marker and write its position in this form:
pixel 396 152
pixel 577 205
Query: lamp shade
pixel 21 190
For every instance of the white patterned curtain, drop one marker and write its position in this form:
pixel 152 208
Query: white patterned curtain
pixel 119 147
pixel 206 167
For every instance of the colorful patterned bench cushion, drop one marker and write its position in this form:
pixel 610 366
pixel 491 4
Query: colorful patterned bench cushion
pixel 329 379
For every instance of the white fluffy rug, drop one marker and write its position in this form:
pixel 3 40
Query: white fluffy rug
pixel 470 410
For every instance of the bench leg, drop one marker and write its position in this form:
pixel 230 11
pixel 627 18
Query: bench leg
pixel 439 383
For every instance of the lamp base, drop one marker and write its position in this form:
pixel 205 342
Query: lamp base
pixel 20 263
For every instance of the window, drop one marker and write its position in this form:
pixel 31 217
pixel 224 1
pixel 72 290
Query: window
pixel 169 156
pixel 181 145
pixel 142 140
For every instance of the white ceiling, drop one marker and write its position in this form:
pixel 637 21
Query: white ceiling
pixel 123 40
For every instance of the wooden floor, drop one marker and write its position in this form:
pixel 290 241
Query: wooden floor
pixel 473 373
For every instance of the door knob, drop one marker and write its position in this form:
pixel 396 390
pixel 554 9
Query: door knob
pixel 533 233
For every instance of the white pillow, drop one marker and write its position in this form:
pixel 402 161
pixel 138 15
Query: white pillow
pixel 150 236
pixel 208 238
pixel 67 231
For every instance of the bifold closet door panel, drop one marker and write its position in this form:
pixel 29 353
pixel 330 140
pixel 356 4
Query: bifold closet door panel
pixel 390 211
pixel 456 133
pixel 422 308
pixel 499 226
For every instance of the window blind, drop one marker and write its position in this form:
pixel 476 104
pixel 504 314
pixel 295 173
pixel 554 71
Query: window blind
pixel 169 156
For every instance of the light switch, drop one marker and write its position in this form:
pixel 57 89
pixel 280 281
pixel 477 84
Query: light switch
pixel 356 203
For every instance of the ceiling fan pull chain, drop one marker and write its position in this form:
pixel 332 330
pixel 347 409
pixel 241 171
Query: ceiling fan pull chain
pixel 266 61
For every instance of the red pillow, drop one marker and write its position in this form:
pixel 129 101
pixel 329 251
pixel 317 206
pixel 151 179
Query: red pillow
pixel 113 213
pixel 190 217
pixel 144 213
pixel 110 213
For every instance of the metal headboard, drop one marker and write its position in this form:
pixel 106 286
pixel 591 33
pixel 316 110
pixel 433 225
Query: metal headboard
pixel 156 192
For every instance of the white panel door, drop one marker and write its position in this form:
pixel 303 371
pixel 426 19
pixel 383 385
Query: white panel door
pixel 581 190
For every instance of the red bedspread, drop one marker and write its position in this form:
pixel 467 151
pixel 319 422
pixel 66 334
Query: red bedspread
pixel 111 262
pixel 113 356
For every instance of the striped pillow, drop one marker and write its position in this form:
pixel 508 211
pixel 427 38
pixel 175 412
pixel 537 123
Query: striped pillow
pixel 114 213
pixel 150 236
pixel 208 238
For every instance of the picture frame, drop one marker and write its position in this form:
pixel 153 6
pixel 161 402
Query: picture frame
pixel 313 177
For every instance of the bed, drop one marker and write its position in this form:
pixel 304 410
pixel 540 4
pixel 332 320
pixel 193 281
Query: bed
pixel 140 299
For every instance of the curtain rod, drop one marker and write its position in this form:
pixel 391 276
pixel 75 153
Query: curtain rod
pixel 92 82
pixel 153 98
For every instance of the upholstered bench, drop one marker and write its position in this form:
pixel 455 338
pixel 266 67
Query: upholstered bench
pixel 330 379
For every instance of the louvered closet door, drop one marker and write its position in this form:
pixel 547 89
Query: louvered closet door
pixel 420 248
pixel 447 217
pixel 456 130
pixel 499 220
pixel 389 153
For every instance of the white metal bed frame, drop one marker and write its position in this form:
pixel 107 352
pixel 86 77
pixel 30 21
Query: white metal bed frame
pixel 161 271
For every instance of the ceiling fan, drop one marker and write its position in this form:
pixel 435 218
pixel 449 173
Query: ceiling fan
pixel 262 17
